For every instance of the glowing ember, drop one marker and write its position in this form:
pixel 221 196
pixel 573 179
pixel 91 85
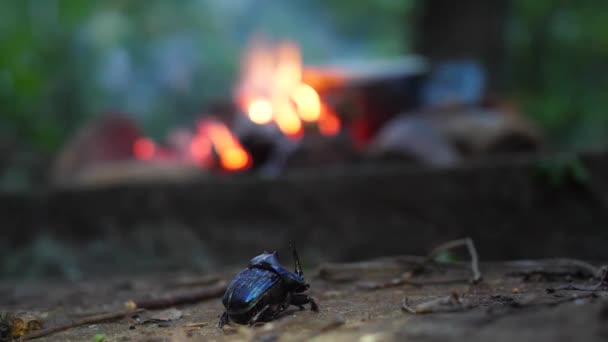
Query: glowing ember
pixel 233 157
pixel 144 148
pixel 287 120
pixel 260 111
pixel 271 89
pixel 329 123
pixel 308 102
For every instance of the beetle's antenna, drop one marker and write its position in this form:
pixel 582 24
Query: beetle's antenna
pixel 296 260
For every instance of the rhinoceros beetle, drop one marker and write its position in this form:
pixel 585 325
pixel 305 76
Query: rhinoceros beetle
pixel 263 290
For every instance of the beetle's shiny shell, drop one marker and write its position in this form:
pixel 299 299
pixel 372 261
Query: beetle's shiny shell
pixel 250 290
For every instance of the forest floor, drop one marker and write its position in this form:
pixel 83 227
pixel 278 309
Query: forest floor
pixel 511 303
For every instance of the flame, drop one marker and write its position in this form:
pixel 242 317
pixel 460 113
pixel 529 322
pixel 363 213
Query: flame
pixel 271 90
pixel 233 157
pixel 144 148
pixel 287 120
pixel 308 102
pixel 329 122
pixel 288 74
pixel 260 111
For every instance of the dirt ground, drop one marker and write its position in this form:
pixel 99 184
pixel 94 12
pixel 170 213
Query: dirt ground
pixel 510 303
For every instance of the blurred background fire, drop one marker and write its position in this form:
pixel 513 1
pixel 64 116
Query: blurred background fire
pixel 96 92
pixel 198 132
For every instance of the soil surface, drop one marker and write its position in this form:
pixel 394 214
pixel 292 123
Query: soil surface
pixel 511 303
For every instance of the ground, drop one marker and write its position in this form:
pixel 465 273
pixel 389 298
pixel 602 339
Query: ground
pixel 510 303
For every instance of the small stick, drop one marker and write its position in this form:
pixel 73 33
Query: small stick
pixel 602 274
pixel 109 316
pixel 182 298
pixel 553 267
pixel 405 306
pixel 136 307
pixel 467 242
pixel 451 303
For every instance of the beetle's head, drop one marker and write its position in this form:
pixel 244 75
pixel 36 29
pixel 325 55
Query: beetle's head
pixel 301 288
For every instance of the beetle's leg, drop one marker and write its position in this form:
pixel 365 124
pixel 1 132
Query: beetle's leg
pixel 258 315
pixel 223 320
pixel 301 299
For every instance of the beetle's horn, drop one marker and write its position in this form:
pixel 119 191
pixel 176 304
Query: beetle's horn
pixel 296 260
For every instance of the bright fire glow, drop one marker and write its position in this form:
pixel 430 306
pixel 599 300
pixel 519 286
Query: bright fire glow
pixel 271 89
pixel 288 73
pixel 308 102
pixel 234 158
pixel 329 123
pixel 260 111
pixel 144 149
pixel 287 120
pixel 232 155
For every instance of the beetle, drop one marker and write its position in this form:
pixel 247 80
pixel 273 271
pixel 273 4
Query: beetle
pixel 264 289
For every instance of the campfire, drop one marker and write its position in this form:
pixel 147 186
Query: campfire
pixel 270 93
pixel 284 115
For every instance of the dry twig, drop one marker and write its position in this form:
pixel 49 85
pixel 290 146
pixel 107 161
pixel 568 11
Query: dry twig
pixel 110 316
pixel 602 284
pixel 134 307
pixel 466 242
pixel 409 266
pixel 552 268
pixel 181 298
pixel 451 303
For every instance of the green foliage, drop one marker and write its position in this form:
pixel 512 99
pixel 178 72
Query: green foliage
pixel 38 79
pixel 99 338
pixel 382 22
pixel 559 172
pixel 559 72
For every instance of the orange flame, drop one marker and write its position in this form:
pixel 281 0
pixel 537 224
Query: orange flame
pixel 233 157
pixel 329 122
pixel 287 120
pixel 271 89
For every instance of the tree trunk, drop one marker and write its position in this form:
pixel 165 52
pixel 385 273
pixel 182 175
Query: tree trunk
pixel 473 29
